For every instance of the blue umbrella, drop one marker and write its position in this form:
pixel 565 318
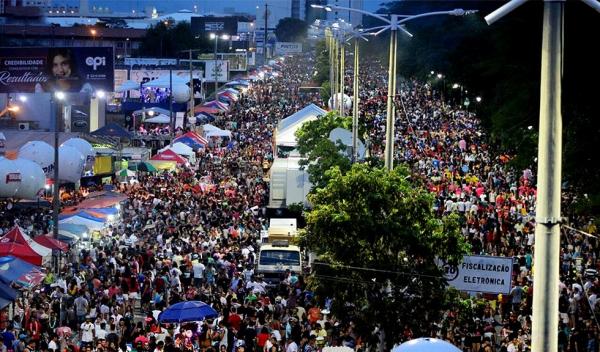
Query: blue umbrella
pixel 187 311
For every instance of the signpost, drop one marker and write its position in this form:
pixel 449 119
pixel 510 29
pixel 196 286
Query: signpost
pixel 478 273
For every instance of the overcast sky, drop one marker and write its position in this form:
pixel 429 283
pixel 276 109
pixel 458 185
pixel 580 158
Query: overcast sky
pixel 163 6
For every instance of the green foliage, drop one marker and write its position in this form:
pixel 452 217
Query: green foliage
pixel 319 152
pixel 377 235
pixel 325 91
pixel 322 63
pixel 168 40
pixel 291 30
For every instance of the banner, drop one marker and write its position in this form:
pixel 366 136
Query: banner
pixel 143 61
pixel 77 69
pixel 219 25
pixel 120 78
pixel 237 61
pixel 221 69
pixel 477 273
pixel 143 76
pixel 285 48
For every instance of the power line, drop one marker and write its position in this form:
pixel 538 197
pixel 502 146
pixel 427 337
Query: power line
pixel 378 270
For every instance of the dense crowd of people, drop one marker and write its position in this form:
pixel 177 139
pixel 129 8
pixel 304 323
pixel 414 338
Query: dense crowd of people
pixel 192 235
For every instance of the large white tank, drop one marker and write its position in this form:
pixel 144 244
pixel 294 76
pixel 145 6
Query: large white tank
pixel 41 153
pixel 70 162
pixel 33 179
pixel 181 93
pixel 85 148
pixel 10 178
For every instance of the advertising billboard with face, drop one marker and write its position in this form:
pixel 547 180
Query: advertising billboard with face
pixel 77 69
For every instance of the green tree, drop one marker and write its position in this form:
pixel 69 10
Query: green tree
pixel 376 238
pixel 321 154
pixel 166 39
pixel 291 30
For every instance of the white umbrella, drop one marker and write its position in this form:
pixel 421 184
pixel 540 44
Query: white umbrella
pixel 164 81
pixel 128 85
pixel 162 118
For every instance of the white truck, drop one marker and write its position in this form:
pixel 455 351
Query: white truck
pixel 278 252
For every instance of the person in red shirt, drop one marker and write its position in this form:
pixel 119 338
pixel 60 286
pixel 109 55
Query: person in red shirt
pixel 235 321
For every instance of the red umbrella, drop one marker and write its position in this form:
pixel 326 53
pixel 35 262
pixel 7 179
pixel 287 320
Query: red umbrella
pixel 143 339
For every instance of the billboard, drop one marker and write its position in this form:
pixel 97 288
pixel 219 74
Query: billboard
pixel 285 48
pixel 237 61
pixel 143 76
pixel 479 273
pixel 220 68
pixel 77 69
pixel 120 78
pixel 143 61
pixel 219 25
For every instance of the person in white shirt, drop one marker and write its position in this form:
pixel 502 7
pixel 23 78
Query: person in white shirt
pixel 292 347
pixel 87 332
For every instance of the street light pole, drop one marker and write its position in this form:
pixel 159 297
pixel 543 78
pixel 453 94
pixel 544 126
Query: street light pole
pixel 342 69
pixel 394 23
pixel 355 103
pixel 215 58
pixel 390 111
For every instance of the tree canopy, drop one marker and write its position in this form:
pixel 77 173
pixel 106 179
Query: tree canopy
pixel 169 39
pixel 291 30
pixel 376 238
pixel 320 153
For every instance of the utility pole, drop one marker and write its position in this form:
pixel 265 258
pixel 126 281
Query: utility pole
pixel 191 104
pixel 266 29
pixel 355 101
pixel 342 69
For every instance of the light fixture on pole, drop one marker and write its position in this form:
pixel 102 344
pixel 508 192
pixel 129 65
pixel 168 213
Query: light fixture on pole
pixel 394 24
pixel 545 311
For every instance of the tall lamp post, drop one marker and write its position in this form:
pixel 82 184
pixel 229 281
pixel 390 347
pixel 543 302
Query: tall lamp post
pixel 393 23
pixel 544 334
pixel 216 39
pixel 60 96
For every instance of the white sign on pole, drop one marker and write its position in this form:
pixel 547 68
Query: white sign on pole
pixel 285 48
pixel 478 273
pixel 222 70
pixel 120 77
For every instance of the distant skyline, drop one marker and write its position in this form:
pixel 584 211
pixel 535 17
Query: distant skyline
pixel 204 6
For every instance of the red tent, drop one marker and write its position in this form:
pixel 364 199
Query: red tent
pixel 169 155
pixel 14 244
pixel 195 136
pixel 200 108
pixel 52 243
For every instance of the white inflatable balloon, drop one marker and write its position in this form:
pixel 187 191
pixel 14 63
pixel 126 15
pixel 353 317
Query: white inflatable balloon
pixel 33 179
pixel 181 93
pixel 426 344
pixel 41 153
pixel 10 178
pixel 347 102
pixel 85 148
pixel 70 164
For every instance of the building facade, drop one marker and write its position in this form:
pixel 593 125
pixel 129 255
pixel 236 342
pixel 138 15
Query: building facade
pixel 352 17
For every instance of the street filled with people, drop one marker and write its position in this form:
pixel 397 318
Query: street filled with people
pixel 193 235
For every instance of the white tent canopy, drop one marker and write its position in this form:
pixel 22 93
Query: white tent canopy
pixel 181 149
pixel 164 81
pixel 153 110
pixel 79 220
pixel 208 127
pixel 162 118
pixel 128 85
pixel 286 130
pixel 219 133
